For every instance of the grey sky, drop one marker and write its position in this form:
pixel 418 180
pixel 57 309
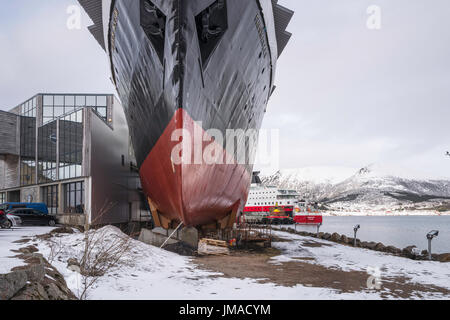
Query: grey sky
pixel 346 95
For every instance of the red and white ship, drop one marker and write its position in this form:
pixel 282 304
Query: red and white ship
pixel 270 203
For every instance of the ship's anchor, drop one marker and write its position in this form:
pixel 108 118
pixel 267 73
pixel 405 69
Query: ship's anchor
pixel 157 27
pixel 207 32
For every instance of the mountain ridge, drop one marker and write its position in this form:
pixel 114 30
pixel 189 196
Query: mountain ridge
pixel 373 187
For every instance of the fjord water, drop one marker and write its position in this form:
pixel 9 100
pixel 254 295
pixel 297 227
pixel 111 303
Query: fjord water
pixel 399 231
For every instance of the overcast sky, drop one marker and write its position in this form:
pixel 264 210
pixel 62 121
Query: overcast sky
pixel 346 95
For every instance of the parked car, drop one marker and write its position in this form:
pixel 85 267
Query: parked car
pixel 8 206
pixel 3 217
pixel 33 217
pixel 11 221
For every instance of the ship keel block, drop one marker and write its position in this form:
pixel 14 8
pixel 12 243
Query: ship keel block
pixel 193 192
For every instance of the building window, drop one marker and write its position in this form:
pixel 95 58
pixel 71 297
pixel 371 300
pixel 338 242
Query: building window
pixel 74 197
pixel 27 150
pixel 28 109
pixel 2 197
pixel 47 140
pixel 50 198
pixel 71 145
pixel 56 106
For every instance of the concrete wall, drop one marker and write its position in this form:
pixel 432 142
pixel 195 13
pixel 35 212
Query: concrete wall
pixel 113 183
pixel 9 143
pixel 9 172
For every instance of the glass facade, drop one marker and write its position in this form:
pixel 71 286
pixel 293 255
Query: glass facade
pixel 74 197
pixel 51 146
pixel 55 106
pixel 50 198
pixel 27 151
pixel 71 145
pixel 2 197
pixel 28 108
pixel 47 142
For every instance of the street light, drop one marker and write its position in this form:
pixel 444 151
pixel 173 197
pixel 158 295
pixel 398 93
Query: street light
pixel 430 237
pixel 355 229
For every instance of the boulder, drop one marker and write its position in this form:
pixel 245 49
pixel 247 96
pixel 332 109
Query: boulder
pixel 326 236
pixel 344 239
pixel 34 272
pixel 445 257
pixel 380 247
pixel 335 237
pixel 393 250
pixel 12 283
pixel 62 230
pixel 72 262
pixel 54 293
pixel 371 245
pixel 409 252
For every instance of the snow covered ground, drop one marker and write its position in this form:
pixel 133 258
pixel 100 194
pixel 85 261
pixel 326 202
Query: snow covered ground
pixel 346 258
pixel 383 213
pixel 7 237
pixel 148 272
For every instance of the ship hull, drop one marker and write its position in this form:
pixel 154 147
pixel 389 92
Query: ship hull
pixel 177 80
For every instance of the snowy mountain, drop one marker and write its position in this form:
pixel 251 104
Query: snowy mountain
pixel 374 187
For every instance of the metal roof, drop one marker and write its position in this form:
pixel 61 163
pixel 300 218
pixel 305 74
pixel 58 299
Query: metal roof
pixel 94 10
pixel 282 17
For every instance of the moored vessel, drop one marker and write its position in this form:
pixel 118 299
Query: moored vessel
pixel 199 68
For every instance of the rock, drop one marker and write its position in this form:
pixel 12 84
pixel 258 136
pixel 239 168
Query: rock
pixel 393 250
pixel 445 257
pixel 409 252
pixel 335 237
pixel 326 236
pixel 54 293
pixel 321 234
pixel 358 242
pixel 29 249
pixel 42 292
pixel 12 283
pixel 344 239
pixel 33 291
pixel 424 252
pixel 380 247
pixel 62 230
pixel 29 282
pixel 365 244
pixel 72 262
pixel 371 245
pixel 34 272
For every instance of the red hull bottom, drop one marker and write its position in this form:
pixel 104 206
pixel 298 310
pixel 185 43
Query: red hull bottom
pixel 194 194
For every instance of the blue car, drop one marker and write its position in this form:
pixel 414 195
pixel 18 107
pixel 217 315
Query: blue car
pixel 8 206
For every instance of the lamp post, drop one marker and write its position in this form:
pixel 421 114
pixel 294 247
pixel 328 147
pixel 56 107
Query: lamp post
pixel 430 236
pixel 355 229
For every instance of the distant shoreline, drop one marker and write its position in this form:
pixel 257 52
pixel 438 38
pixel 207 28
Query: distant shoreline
pixel 385 214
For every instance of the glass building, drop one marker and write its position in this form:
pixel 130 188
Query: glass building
pixel 72 152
